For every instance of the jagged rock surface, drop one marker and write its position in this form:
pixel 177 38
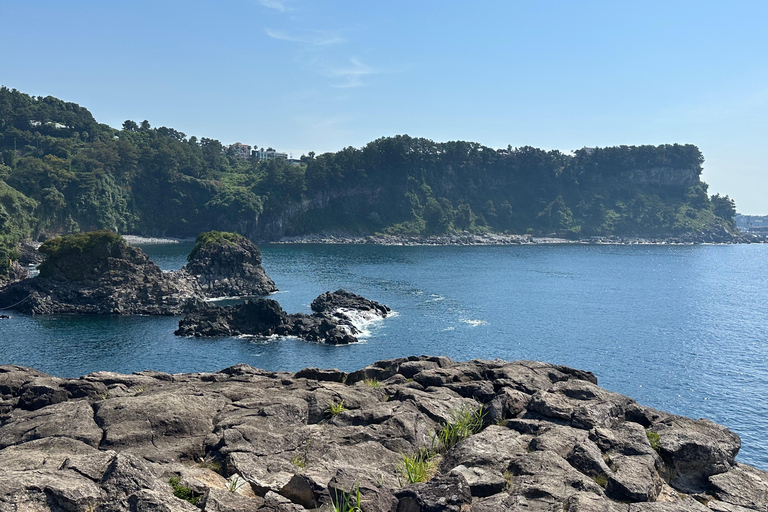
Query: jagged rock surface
pixel 230 269
pixel 113 279
pixel 332 321
pixel 248 439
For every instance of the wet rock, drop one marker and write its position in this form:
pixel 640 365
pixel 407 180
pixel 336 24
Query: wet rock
pixel 265 317
pixel 342 301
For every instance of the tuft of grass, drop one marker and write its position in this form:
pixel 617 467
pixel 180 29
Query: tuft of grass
pixel 417 467
pixel 139 390
pixel 654 439
pixel 184 493
pixel 299 460
pixel 234 483
pixel 372 383
pixel 464 423
pixel 343 501
pixel 213 465
pixel 601 480
pixel 335 408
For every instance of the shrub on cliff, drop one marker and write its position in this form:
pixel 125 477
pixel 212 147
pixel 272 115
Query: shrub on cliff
pixel 77 250
pixel 209 238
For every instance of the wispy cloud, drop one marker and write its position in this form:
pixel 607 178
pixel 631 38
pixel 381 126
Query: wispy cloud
pixel 278 5
pixel 316 38
pixel 352 76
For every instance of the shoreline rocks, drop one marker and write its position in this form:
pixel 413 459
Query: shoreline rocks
pixel 468 239
pixel 542 437
pixel 333 320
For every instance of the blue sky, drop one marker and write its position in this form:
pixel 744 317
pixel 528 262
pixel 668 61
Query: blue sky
pixel 322 75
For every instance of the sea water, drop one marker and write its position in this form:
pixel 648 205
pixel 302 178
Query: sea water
pixel 680 328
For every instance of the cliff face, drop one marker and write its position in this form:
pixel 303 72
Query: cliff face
pixel 482 435
pixel 667 176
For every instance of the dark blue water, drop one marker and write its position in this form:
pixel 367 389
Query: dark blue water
pixel 683 329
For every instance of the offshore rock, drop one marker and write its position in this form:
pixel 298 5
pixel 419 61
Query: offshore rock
pixel 333 320
pixel 98 273
pixel 228 265
pixel 248 439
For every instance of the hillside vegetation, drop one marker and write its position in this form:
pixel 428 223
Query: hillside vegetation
pixel 62 172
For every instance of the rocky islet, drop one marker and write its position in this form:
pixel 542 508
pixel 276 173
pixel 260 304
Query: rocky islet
pixel 333 321
pixel 247 439
pixel 102 274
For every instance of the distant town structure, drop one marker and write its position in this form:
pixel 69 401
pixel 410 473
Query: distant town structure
pixel 245 151
pixel 752 223
pixel 269 154
pixel 241 150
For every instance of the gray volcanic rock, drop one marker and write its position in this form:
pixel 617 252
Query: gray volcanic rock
pixel 331 323
pixel 230 268
pixel 247 439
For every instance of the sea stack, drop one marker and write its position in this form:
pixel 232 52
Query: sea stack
pixel 228 265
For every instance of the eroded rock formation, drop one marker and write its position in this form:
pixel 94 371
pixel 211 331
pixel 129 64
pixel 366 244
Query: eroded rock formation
pixel 99 273
pixel 548 438
pixel 103 275
pixel 333 320
pixel 229 267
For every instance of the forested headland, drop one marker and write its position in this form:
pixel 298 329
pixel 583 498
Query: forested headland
pixel 61 172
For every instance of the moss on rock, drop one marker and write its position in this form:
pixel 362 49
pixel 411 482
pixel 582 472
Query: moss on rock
pixel 208 238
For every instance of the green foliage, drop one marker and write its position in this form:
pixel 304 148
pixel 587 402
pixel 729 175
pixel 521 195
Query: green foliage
pixel 346 501
pixel 182 492
pixel 213 238
pixel 464 423
pixel 335 408
pixel 417 467
pixel 372 383
pixel 234 483
pixel 69 173
pixel 654 439
pixel 59 248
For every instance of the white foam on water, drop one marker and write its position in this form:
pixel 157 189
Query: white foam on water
pixel 362 320
pixel 473 322
pixel 219 299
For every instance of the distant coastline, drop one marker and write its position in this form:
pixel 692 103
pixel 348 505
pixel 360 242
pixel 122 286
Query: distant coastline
pixel 499 240
pixel 471 239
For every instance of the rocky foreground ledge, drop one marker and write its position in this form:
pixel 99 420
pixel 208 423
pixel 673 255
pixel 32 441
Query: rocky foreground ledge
pixel 483 435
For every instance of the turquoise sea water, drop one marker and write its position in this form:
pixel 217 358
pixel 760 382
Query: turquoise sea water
pixel 680 328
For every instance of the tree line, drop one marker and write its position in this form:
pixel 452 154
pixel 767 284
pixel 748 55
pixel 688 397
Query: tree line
pixel 61 171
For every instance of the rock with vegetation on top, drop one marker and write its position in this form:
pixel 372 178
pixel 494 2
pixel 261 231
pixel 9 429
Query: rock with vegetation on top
pixel 228 265
pixel 333 320
pixel 407 434
pixel 99 273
